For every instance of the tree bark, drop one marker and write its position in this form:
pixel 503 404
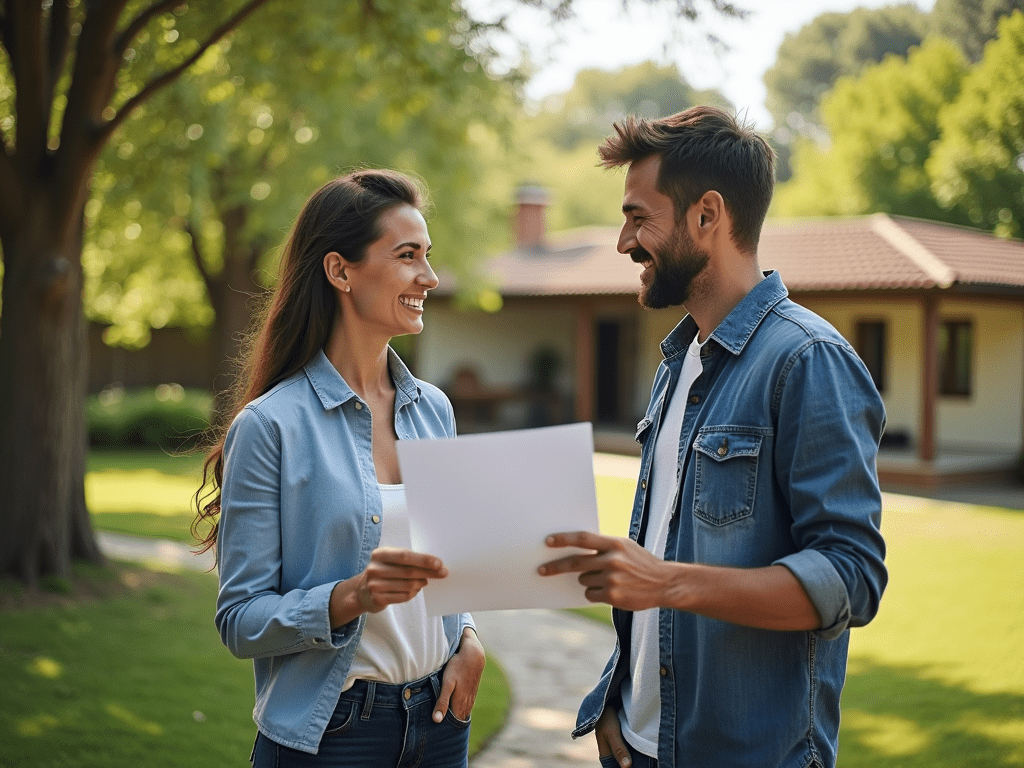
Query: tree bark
pixel 43 360
pixel 234 294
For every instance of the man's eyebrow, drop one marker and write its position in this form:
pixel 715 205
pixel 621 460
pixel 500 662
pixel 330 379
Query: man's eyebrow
pixel 630 207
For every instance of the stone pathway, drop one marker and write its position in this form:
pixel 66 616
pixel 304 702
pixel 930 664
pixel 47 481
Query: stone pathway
pixel 552 659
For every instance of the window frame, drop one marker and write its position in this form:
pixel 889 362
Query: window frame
pixel 948 380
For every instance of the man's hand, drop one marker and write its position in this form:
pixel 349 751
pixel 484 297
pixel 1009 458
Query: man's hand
pixel 620 572
pixel 461 679
pixel 609 738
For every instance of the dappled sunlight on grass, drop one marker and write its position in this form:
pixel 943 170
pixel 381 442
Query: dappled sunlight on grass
pixel 138 490
pixel 886 736
pixel 132 720
pixel 35 726
pixel 903 711
pixel 45 667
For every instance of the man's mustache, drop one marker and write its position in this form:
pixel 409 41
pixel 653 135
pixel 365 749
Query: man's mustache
pixel 640 255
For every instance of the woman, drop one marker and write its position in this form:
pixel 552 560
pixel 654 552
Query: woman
pixel 317 582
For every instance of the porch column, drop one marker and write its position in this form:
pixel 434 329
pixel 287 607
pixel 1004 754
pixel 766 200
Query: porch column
pixel 930 378
pixel 584 361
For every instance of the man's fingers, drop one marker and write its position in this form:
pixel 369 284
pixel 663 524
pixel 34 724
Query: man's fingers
pixel 572 564
pixel 581 539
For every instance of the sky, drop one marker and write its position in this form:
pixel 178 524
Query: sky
pixel 605 36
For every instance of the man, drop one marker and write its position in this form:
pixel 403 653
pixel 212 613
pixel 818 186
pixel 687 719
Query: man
pixel 754 544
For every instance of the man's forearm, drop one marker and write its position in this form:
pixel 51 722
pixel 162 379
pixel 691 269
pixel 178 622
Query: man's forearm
pixel 764 598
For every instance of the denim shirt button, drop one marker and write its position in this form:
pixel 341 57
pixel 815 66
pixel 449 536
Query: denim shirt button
pixel 359 406
pixel 376 518
pixel 643 484
pixel 695 399
pixel 664 671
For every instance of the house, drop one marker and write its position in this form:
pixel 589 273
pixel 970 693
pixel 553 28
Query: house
pixel 935 311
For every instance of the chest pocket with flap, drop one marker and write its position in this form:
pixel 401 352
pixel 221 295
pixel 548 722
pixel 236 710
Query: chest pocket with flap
pixel 725 479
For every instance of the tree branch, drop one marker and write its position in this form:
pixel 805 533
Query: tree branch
pixel 197 256
pixel 10 191
pixel 31 107
pixel 139 23
pixel 60 34
pixel 9 40
pixel 170 75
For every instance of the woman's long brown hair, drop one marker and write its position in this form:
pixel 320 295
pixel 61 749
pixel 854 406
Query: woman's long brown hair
pixel 344 216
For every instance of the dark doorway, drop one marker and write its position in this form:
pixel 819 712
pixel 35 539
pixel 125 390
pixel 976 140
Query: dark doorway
pixel 615 370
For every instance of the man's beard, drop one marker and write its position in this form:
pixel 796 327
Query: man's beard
pixel 678 264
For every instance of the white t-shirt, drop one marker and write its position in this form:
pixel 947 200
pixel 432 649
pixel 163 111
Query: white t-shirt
pixel 641 690
pixel 401 643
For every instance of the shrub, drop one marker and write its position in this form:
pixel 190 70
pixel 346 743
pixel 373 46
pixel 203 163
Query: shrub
pixel 167 417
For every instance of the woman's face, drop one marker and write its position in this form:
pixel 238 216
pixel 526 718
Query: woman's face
pixel 387 289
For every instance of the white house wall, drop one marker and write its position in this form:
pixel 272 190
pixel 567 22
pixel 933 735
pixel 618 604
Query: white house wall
pixel 992 416
pixel 497 346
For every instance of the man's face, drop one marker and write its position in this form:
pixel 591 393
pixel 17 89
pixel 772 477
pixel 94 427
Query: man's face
pixel 652 237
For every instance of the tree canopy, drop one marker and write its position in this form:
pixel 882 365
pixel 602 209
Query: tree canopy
pixel 978 162
pixel 970 23
pixel 831 46
pixel 557 146
pixel 882 126
pixel 229 154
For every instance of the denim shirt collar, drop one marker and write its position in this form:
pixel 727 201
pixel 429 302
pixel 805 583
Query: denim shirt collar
pixel 332 389
pixel 735 330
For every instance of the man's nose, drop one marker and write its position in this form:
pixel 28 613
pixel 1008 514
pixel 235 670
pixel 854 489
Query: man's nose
pixel 627 239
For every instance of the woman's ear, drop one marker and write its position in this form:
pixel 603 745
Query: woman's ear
pixel 335 269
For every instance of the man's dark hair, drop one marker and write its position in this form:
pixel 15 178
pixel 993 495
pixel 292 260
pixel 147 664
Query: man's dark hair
pixel 702 148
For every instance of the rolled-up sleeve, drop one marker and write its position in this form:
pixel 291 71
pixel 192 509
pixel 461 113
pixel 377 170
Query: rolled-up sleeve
pixel 830 419
pixel 254 618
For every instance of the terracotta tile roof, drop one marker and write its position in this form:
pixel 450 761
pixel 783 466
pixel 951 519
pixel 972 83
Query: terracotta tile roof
pixel 860 253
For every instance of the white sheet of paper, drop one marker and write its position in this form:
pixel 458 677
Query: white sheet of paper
pixel 485 503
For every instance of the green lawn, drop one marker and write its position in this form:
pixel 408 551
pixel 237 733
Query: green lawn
pixel 145 493
pixel 139 678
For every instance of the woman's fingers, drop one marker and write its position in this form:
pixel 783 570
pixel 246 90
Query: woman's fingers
pixel 396 576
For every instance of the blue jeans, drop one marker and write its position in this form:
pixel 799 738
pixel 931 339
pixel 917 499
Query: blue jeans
pixel 378 725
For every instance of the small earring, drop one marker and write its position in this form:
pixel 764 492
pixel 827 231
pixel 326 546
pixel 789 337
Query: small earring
pixel 348 288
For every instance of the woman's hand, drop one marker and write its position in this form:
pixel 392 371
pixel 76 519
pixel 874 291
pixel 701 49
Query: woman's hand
pixel 461 679
pixel 392 576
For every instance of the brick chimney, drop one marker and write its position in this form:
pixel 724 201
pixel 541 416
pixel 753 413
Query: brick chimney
pixel 529 223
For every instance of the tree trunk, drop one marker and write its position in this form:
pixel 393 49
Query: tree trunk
pixel 43 362
pixel 234 294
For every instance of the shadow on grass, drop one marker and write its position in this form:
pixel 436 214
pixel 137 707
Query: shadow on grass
pixel 905 716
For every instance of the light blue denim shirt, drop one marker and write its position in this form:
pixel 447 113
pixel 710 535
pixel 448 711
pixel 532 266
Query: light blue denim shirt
pixel 777 458
pixel 301 511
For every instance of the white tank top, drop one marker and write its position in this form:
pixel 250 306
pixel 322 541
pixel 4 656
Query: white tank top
pixel 401 643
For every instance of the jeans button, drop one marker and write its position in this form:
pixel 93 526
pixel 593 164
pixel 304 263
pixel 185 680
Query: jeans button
pixel 407 693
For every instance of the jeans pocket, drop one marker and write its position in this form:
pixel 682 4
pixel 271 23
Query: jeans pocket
pixel 725 477
pixel 455 721
pixel 342 719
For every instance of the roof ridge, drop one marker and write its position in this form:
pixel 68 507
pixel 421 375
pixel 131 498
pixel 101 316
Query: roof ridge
pixel 883 226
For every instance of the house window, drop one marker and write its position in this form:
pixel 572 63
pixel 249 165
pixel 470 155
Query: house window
pixel 956 342
pixel 871 346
